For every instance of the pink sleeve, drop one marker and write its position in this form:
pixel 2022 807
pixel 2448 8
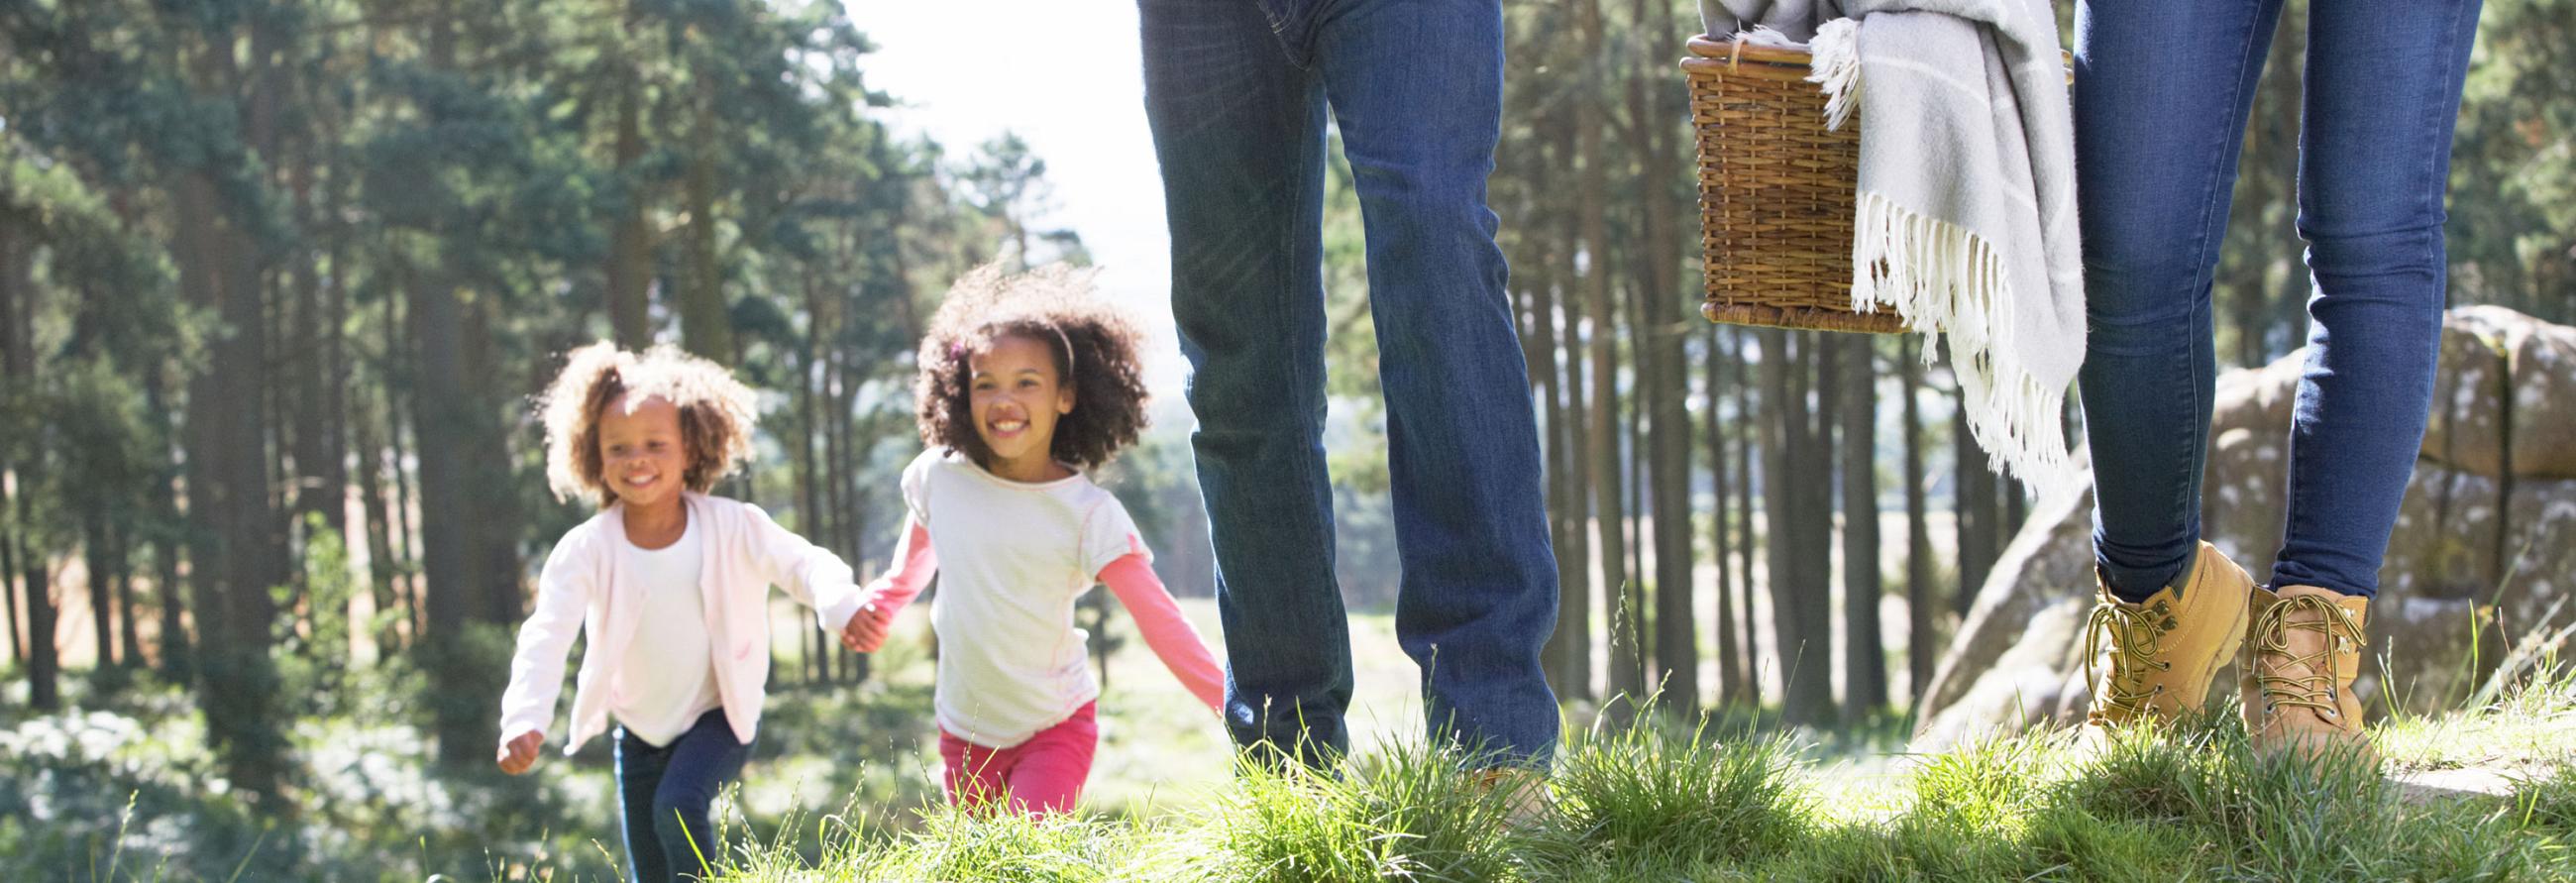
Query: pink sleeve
pixel 915 560
pixel 1170 635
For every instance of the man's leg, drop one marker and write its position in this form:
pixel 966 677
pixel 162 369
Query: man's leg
pixel 1416 87
pixel 1239 129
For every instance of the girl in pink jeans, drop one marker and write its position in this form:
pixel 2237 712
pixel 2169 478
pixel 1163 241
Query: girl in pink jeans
pixel 1024 381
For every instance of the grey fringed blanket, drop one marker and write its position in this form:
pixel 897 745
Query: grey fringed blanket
pixel 1966 209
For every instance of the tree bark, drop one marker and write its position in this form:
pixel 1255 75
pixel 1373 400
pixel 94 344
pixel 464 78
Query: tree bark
pixel 1574 564
pixel 630 245
pixel 1730 675
pixel 1973 508
pixel 1864 653
pixel 1627 674
pixel 167 543
pixel 705 328
pixel 1819 379
pixel 1797 596
pixel 1747 427
pixel 1919 605
pixel 44 654
pixel 95 551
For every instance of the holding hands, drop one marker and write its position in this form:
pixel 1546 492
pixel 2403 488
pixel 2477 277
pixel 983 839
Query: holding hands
pixel 866 631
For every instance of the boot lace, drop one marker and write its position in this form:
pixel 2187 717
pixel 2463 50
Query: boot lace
pixel 2316 689
pixel 2132 632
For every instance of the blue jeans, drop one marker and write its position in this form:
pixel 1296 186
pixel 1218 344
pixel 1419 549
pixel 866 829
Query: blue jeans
pixel 664 793
pixel 1236 91
pixel 2162 92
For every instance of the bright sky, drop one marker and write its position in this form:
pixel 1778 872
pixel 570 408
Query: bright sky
pixel 1067 78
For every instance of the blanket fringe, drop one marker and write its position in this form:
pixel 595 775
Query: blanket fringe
pixel 1835 63
pixel 1940 275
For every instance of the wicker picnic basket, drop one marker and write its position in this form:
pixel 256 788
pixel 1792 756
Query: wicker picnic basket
pixel 1775 192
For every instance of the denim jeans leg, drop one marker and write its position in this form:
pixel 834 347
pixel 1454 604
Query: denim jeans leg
pixel 1238 129
pixel 2162 92
pixel 639 772
pixel 1416 89
pixel 701 761
pixel 2375 147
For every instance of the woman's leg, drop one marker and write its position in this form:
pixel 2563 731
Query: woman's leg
pixel 2162 90
pixel 2383 93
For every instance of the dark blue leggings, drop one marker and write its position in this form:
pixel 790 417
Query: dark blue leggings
pixel 665 792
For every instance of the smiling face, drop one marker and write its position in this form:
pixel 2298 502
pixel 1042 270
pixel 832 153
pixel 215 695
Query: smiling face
pixel 1015 395
pixel 643 459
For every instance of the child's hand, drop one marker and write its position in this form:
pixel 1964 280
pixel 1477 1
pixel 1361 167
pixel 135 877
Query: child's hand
pixel 517 755
pixel 866 630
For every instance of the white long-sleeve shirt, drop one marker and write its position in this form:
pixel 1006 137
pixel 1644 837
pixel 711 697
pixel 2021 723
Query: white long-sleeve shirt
pixel 1013 558
pixel 585 588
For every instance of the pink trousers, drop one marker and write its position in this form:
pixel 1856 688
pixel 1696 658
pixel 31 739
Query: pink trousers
pixel 1041 776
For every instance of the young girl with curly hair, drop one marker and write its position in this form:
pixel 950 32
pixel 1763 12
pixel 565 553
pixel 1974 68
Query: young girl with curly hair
pixel 672 586
pixel 1024 382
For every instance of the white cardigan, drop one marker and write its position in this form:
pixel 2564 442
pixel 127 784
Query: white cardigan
pixel 579 591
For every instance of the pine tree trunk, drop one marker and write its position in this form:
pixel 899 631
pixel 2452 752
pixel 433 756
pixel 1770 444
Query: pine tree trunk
pixel 1974 510
pixel 1747 427
pixel 1574 613
pixel 405 546
pixel 129 635
pixel 379 529
pixel 1799 617
pixel 1626 671
pixel 1864 653
pixel 9 593
pixel 167 547
pixel 1730 675
pixel 1566 673
pixel 1815 455
pixel 95 549
pixel 630 242
pixel 44 654
pixel 1919 604
pixel 705 328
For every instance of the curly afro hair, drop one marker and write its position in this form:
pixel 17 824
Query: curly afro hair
pixel 717 413
pixel 1094 345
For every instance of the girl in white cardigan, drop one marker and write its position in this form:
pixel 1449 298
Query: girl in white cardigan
pixel 672 586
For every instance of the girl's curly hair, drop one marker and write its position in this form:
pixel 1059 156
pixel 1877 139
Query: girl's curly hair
pixel 716 414
pixel 1095 350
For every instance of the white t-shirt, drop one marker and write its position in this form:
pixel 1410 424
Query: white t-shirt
pixel 668 677
pixel 1013 558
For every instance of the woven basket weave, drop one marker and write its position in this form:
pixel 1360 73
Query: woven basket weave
pixel 1775 192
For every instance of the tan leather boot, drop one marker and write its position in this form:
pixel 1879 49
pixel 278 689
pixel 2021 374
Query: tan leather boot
pixel 2297 670
pixel 2164 651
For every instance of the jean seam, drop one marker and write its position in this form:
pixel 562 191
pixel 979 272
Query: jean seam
pixel 2204 274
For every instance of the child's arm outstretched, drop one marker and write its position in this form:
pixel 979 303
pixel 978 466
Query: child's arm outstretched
pixel 914 563
pixel 537 666
pixel 1166 631
pixel 808 573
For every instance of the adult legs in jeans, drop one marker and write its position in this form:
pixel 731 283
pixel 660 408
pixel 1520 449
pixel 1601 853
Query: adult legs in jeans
pixel 1237 91
pixel 2161 97
pixel 664 794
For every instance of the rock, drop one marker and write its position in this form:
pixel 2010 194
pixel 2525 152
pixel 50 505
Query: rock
pixel 2543 414
pixel 2466 427
pixel 2027 627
